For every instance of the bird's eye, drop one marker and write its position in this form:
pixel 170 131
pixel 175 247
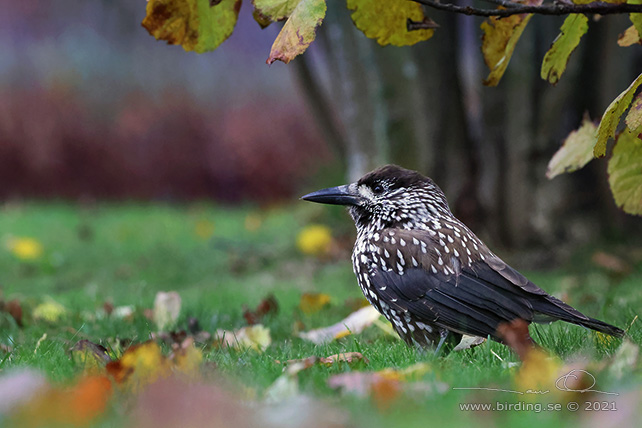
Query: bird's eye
pixel 377 188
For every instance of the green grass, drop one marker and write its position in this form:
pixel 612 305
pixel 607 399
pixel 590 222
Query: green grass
pixel 124 254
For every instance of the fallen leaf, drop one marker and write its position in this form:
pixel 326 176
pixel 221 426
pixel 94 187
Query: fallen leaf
pixel 354 323
pixel 90 354
pixel 14 309
pixel 18 387
pixel 469 342
pixel 255 337
pixel 538 371
pixel 348 357
pixel 267 306
pixel 611 262
pixel 167 308
pixel 50 311
pixel 175 402
pixel 24 248
pixel 140 365
pixel 313 302
pixel 77 405
pixel 386 386
pixel 186 357
pixel 315 240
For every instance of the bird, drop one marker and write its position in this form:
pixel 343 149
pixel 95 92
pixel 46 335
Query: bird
pixel 428 273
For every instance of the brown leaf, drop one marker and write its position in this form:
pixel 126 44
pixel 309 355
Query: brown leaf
pixel 268 306
pixel 611 262
pixel 13 308
pixel 515 334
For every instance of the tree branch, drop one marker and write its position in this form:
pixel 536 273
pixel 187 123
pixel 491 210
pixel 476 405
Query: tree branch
pixel 557 8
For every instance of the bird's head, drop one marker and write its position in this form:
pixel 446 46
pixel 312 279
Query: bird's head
pixel 389 196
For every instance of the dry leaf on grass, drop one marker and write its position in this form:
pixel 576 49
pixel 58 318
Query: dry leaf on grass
pixel 354 323
pixel 255 337
pixel 469 342
pixel 311 303
pixel 167 308
pixel 267 306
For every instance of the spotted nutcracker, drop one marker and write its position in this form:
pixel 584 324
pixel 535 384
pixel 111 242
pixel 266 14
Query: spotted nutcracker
pixel 426 272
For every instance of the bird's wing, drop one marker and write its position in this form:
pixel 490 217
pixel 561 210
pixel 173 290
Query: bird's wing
pixel 440 280
pixel 465 304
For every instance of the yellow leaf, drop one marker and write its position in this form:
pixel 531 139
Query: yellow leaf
pixel 313 302
pixel 315 240
pixel 25 248
pixel 299 31
pixel 388 21
pixel 50 311
pixel 197 25
pixel 498 43
pixel 255 337
pixel 140 365
pixel 538 371
pixel 410 373
pixel 187 358
pixel 576 151
pixel 629 37
pixel 611 117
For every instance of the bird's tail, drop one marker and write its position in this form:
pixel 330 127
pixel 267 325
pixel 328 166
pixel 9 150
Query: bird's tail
pixel 552 309
pixel 602 327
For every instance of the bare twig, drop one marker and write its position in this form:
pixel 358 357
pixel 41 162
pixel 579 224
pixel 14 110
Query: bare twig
pixel 544 9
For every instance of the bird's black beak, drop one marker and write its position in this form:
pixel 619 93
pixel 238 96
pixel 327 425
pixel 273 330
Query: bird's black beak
pixel 340 195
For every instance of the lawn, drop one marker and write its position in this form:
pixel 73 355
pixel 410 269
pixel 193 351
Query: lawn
pixel 222 260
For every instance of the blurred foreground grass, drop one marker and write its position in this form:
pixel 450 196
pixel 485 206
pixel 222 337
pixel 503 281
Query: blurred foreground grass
pixel 221 260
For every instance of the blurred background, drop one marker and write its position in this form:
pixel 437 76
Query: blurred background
pixel 93 108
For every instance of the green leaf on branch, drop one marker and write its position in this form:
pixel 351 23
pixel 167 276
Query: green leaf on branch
pixel 299 30
pixel 625 172
pixel 634 117
pixel 556 58
pixel 576 151
pixel 612 115
pixel 629 37
pixel 193 24
pixel 389 21
pixel 498 43
pixel 268 11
